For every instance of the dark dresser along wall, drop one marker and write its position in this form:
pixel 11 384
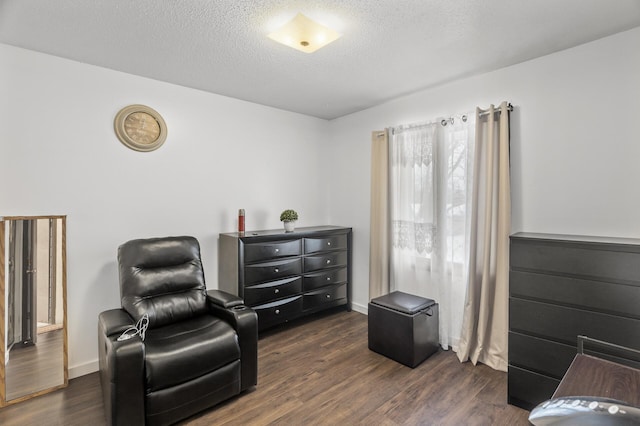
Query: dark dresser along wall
pixel 286 275
pixel 562 286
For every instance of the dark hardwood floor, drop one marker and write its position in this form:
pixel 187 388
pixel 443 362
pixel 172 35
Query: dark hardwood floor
pixel 320 372
pixel 34 368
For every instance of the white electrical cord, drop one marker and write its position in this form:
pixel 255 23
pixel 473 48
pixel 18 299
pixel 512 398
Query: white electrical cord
pixel 140 328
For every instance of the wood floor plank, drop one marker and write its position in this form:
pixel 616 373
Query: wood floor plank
pixel 34 368
pixel 319 371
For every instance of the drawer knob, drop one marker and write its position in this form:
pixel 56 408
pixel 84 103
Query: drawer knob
pixel 328 261
pixel 276 291
pixel 277 250
pixel 277 311
pixel 328 243
pixel 328 296
pixel 328 278
pixel 276 270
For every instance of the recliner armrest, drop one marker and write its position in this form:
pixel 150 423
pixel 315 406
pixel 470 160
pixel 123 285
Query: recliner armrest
pixel 244 320
pixel 224 299
pixel 114 321
pixel 121 369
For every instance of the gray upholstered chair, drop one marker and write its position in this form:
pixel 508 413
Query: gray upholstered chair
pixel 199 347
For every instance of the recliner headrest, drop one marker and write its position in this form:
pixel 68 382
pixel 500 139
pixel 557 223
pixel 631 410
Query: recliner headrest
pixel 163 278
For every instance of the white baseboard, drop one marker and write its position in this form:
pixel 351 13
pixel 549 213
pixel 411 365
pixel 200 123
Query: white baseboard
pixel 363 309
pixel 83 369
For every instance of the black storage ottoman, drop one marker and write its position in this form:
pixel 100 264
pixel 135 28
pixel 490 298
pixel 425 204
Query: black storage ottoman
pixel 403 327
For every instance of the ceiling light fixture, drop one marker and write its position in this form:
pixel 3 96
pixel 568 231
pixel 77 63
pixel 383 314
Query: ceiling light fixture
pixel 304 34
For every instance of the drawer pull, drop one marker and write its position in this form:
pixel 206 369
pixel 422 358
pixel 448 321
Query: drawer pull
pixel 328 261
pixel 328 243
pixel 277 311
pixel 328 296
pixel 328 278
pixel 276 270
pixel 276 291
pixel 277 250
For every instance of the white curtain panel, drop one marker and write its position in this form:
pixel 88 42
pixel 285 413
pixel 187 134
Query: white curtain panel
pixel 486 314
pixel 430 184
pixel 379 224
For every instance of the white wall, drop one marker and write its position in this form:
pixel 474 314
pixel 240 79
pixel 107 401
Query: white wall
pixel 59 155
pixel 574 150
pixel 574 141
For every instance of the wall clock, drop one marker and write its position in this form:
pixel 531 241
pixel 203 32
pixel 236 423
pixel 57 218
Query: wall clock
pixel 140 127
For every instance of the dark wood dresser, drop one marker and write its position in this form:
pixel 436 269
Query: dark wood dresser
pixel 560 287
pixel 286 275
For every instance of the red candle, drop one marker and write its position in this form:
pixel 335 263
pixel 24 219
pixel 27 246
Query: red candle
pixel 241 220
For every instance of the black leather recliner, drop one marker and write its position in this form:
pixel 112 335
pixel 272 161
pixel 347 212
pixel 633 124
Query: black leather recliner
pixel 199 349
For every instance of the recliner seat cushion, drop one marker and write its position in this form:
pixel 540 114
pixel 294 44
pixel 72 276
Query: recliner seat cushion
pixel 188 349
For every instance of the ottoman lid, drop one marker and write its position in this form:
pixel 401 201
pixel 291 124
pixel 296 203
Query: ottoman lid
pixel 403 302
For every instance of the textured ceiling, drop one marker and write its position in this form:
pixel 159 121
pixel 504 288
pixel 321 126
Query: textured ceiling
pixel 389 47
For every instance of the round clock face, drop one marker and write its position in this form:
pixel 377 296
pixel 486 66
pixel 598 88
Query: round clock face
pixel 140 127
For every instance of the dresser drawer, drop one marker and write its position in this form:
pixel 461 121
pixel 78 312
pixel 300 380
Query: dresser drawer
pixel 591 261
pixel 257 252
pixel 324 278
pixel 278 312
pixel 527 389
pixel 322 296
pixel 563 324
pixel 325 260
pixel 612 298
pixel 334 242
pixel 274 270
pixel 272 290
pixel 540 355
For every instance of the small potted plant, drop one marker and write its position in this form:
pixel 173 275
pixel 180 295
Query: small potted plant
pixel 289 218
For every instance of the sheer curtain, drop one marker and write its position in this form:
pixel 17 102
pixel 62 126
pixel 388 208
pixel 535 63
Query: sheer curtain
pixel 430 185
